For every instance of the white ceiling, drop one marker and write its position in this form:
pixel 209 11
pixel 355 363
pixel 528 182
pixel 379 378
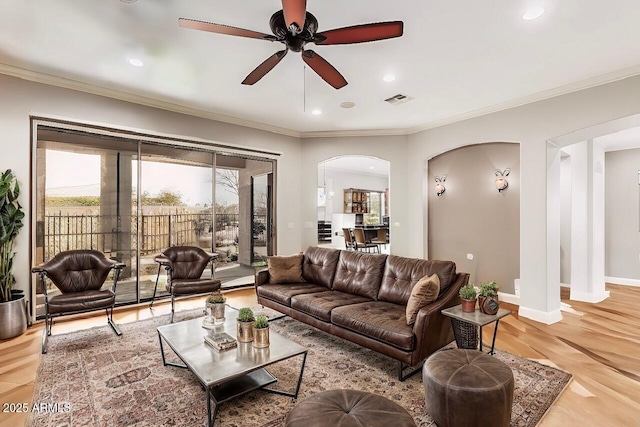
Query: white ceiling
pixel 362 165
pixel 456 58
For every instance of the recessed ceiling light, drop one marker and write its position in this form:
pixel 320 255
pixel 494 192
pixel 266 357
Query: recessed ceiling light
pixel 371 167
pixel 136 62
pixel 389 78
pixel 348 104
pixel 533 13
pixel 316 112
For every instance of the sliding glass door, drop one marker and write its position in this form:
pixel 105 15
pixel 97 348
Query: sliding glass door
pixel 84 200
pixel 131 199
pixel 175 207
pixel 244 211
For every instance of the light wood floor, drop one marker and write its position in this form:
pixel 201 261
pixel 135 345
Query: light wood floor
pixel 598 343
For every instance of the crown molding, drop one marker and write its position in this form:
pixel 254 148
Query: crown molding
pixel 94 89
pixel 52 80
pixel 518 102
pixel 529 99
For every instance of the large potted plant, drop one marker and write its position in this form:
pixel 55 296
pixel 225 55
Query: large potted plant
pixel 13 315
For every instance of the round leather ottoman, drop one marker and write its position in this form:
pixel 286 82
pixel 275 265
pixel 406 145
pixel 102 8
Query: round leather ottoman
pixel 465 388
pixel 348 408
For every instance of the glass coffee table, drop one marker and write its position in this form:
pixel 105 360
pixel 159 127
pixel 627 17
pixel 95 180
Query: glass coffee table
pixel 229 373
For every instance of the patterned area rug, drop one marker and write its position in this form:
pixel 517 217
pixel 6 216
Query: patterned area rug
pixel 98 379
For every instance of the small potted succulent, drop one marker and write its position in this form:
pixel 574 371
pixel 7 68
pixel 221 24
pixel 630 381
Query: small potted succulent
pixel 261 331
pixel 488 298
pixel 245 324
pixel 469 296
pixel 215 307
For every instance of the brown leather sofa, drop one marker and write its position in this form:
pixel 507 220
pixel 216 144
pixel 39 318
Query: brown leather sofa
pixel 362 297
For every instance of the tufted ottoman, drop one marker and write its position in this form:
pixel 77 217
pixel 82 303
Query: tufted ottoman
pixel 348 408
pixel 465 388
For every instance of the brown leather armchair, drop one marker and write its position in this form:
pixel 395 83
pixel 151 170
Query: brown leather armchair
pixel 184 265
pixel 79 275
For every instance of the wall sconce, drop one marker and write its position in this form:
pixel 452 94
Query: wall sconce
pixel 439 187
pixel 501 179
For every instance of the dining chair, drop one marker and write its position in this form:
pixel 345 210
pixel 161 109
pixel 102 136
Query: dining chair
pixel 349 243
pixel 381 238
pixel 361 243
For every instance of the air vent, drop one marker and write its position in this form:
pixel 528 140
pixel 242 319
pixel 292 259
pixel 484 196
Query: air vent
pixel 398 99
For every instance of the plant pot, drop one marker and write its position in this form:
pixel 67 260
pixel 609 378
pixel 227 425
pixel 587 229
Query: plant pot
pixel 245 331
pixel 489 305
pixel 469 305
pixel 261 337
pixel 13 318
pixel 215 313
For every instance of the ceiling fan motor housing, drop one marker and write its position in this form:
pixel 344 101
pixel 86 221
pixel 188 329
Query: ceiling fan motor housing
pixel 294 42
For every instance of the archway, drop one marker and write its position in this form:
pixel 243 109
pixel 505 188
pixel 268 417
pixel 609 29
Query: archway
pixel 353 191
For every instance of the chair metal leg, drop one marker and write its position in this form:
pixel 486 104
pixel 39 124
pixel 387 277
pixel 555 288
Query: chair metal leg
pixel 113 325
pixel 173 301
pixel 155 288
pixel 46 332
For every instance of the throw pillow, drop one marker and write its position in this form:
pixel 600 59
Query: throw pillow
pixel 285 269
pixel 424 292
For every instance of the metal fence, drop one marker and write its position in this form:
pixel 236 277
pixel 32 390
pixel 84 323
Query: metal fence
pixel 64 232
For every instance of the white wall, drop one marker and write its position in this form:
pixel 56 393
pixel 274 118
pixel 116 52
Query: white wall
pixel 532 125
pixel 622 193
pixel 20 99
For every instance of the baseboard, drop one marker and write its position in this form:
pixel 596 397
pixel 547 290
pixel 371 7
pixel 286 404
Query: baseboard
pixel 622 281
pixel 510 298
pixel 589 297
pixel 546 317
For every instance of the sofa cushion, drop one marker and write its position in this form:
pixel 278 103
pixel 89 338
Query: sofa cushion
pixel 282 293
pixel 401 274
pixel 285 269
pixel 423 293
pixel 320 304
pixel 381 321
pixel 319 265
pixel 359 273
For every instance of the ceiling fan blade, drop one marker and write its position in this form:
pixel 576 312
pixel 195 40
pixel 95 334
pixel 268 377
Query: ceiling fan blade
pixel 223 29
pixel 360 33
pixel 323 69
pixel 264 68
pixel 295 12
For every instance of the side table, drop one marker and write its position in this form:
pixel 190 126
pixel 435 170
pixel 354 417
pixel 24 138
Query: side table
pixel 466 326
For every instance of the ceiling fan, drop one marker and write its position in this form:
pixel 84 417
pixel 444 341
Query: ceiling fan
pixel 295 27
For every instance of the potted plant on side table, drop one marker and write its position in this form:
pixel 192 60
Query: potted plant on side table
pixel 245 324
pixel 469 297
pixel 488 298
pixel 13 314
pixel 261 332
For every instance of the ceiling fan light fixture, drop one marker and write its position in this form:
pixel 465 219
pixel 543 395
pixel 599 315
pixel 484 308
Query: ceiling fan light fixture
pixel 533 13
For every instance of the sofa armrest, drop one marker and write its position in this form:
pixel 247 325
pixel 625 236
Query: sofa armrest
pixel 262 278
pixel 433 329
